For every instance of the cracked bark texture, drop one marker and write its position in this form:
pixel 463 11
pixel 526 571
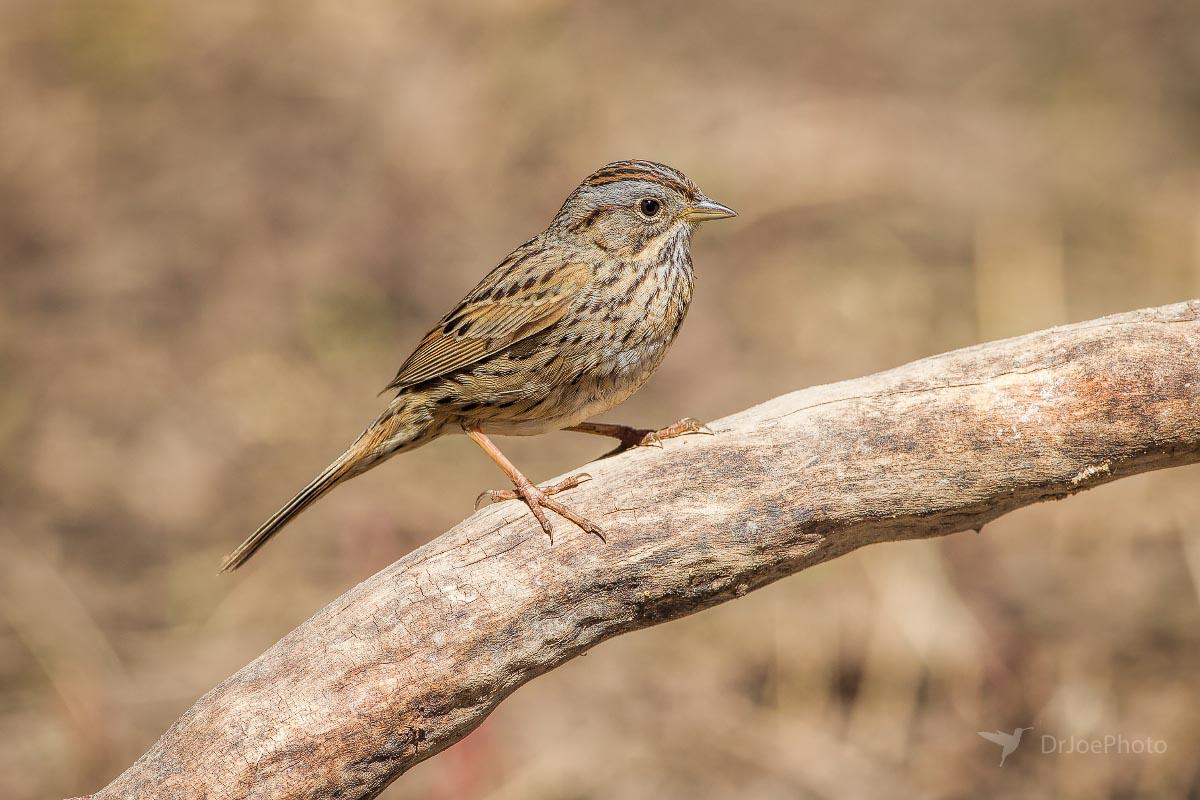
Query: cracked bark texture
pixel 411 660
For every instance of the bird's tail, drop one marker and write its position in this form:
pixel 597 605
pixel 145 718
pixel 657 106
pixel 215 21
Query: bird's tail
pixel 388 435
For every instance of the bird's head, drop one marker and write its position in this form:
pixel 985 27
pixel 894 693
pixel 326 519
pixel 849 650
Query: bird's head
pixel 630 209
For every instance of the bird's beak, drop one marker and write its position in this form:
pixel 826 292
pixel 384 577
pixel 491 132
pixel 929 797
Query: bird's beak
pixel 707 209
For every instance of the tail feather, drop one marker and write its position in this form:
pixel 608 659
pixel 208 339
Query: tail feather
pixel 404 425
pixel 334 474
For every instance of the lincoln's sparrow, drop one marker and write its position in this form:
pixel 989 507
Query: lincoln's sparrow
pixel 569 325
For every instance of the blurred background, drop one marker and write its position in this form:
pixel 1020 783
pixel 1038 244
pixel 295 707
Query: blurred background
pixel 224 224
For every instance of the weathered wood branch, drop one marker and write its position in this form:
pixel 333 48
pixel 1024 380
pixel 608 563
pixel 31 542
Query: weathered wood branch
pixel 410 661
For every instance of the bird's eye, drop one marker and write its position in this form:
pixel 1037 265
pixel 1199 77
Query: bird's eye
pixel 649 206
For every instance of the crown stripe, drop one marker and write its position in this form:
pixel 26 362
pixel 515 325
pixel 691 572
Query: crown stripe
pixel 643 171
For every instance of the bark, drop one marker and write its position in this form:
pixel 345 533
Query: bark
pixel 411 660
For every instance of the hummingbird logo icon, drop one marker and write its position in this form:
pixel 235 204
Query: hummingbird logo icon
pixel 1008 741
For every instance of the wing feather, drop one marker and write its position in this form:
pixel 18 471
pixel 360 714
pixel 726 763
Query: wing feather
pixel 525 295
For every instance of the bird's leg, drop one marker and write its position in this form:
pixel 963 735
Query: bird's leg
pixel 535 497
pixel 635 437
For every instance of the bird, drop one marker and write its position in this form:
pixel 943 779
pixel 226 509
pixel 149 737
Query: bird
pixel 1007 741
pixel 570 324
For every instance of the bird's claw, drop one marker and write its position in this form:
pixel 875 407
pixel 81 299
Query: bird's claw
pixel 538 498
pixel 681 428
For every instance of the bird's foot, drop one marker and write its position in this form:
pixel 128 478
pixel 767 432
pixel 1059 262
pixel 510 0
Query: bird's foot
pixel 538 498
pixel 682 428
pixel 646 437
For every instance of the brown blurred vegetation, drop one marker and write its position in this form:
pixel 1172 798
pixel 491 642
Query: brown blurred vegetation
pixel 223 224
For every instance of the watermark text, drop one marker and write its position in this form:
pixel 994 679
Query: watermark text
pixel 1111 744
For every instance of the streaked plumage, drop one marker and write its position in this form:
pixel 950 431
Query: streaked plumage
pixel 569 325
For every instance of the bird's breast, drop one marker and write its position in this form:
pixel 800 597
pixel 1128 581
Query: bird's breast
pixel 642 319
pixel 604 348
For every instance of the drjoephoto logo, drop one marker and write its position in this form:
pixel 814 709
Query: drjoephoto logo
pixel 1103 745
pixel 1008 742
pixel 1116 745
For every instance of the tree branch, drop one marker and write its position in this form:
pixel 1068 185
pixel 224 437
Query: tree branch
pixel 410 661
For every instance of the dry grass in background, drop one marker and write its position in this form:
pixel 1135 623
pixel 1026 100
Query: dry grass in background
pixel 222 226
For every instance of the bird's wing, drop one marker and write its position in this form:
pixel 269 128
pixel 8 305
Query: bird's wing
pixel 527 293
pixel 995 737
